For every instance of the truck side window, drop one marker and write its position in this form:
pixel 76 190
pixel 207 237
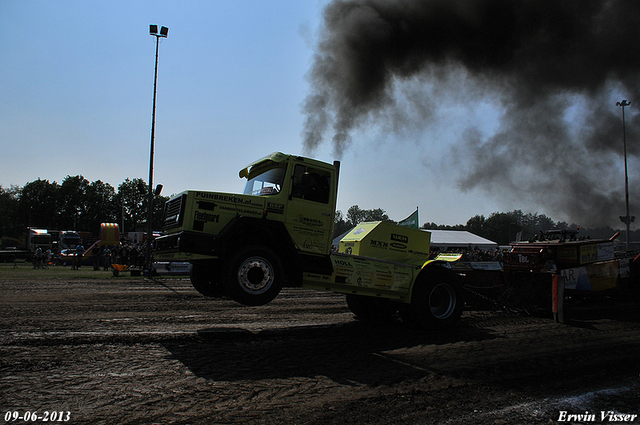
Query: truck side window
pixel 310 184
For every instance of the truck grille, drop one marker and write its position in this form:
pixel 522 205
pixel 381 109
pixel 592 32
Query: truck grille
pixel 174 211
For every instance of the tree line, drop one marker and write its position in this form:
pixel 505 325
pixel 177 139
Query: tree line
pixel 77 204
pixel 499 227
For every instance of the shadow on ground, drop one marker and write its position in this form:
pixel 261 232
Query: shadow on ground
pixel 351 353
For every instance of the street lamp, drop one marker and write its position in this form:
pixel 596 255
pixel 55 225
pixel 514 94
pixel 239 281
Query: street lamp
pixel 164 31
pixel 625 219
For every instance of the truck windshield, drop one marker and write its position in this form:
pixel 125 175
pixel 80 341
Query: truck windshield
pixel 266 183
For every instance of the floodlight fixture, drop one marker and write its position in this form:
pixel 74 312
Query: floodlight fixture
pixel 153 30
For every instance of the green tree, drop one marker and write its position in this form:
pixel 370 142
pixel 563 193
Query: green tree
pixel 101 205
pixel 9 204
pixel 435 226
pixel 73 207
pixel 475 225
pixel 132 200
pixel 535 223
pixel 357 215
pixel 158 211
pixel 77 204
pixel 340 225
pixel 38 204
pixel 502 227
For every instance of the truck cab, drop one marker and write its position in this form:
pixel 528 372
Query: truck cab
pixel 38 238
pixel 69 239
pixel 301 192
pixel 283 221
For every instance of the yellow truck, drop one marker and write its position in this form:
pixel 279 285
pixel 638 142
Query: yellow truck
pixel 278 233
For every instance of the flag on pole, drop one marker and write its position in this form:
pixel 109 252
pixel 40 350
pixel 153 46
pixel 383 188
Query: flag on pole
pixel 411 221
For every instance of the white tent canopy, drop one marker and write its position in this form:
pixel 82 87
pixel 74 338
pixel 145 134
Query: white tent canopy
pixel 445 239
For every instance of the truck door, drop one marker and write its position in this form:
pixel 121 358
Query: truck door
pixel 309 216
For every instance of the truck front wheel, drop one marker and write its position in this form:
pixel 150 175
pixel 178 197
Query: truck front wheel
pixel 436 302
pixel 255 276
pixel 205 278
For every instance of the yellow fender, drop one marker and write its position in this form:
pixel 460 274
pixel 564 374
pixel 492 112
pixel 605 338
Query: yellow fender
pixel 446 257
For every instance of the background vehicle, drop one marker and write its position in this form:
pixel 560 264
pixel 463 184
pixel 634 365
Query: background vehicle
pixel 69 239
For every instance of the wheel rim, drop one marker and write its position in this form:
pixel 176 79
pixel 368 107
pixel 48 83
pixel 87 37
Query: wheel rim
pixel 442 301
pixel 255 275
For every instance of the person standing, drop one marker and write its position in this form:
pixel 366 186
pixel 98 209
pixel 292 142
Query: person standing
pixel 107 258
pixel 47 258
pixel 38 264
pixel 95 256
pixel 79 254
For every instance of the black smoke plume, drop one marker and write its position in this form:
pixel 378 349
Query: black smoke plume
pixel 554 67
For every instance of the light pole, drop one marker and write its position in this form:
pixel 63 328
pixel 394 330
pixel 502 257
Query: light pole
pixel 164 31
pixel 625 219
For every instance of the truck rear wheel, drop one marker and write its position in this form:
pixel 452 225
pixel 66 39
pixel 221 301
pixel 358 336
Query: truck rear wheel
pixel 255 276
pixel 436 302
pixel 205 278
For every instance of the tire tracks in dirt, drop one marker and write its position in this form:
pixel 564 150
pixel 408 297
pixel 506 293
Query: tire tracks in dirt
pixel 139 352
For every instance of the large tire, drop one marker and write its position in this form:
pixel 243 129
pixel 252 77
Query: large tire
pixel 436 301
pixel 255 276
pixel 371 309
pixel 206 279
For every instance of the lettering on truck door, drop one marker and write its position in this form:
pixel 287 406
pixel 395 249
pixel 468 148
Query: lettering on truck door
pixel 309 217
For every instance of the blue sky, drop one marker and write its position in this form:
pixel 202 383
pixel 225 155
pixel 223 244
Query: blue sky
pixel 76 84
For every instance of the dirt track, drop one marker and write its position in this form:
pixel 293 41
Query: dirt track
pixel 141 351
